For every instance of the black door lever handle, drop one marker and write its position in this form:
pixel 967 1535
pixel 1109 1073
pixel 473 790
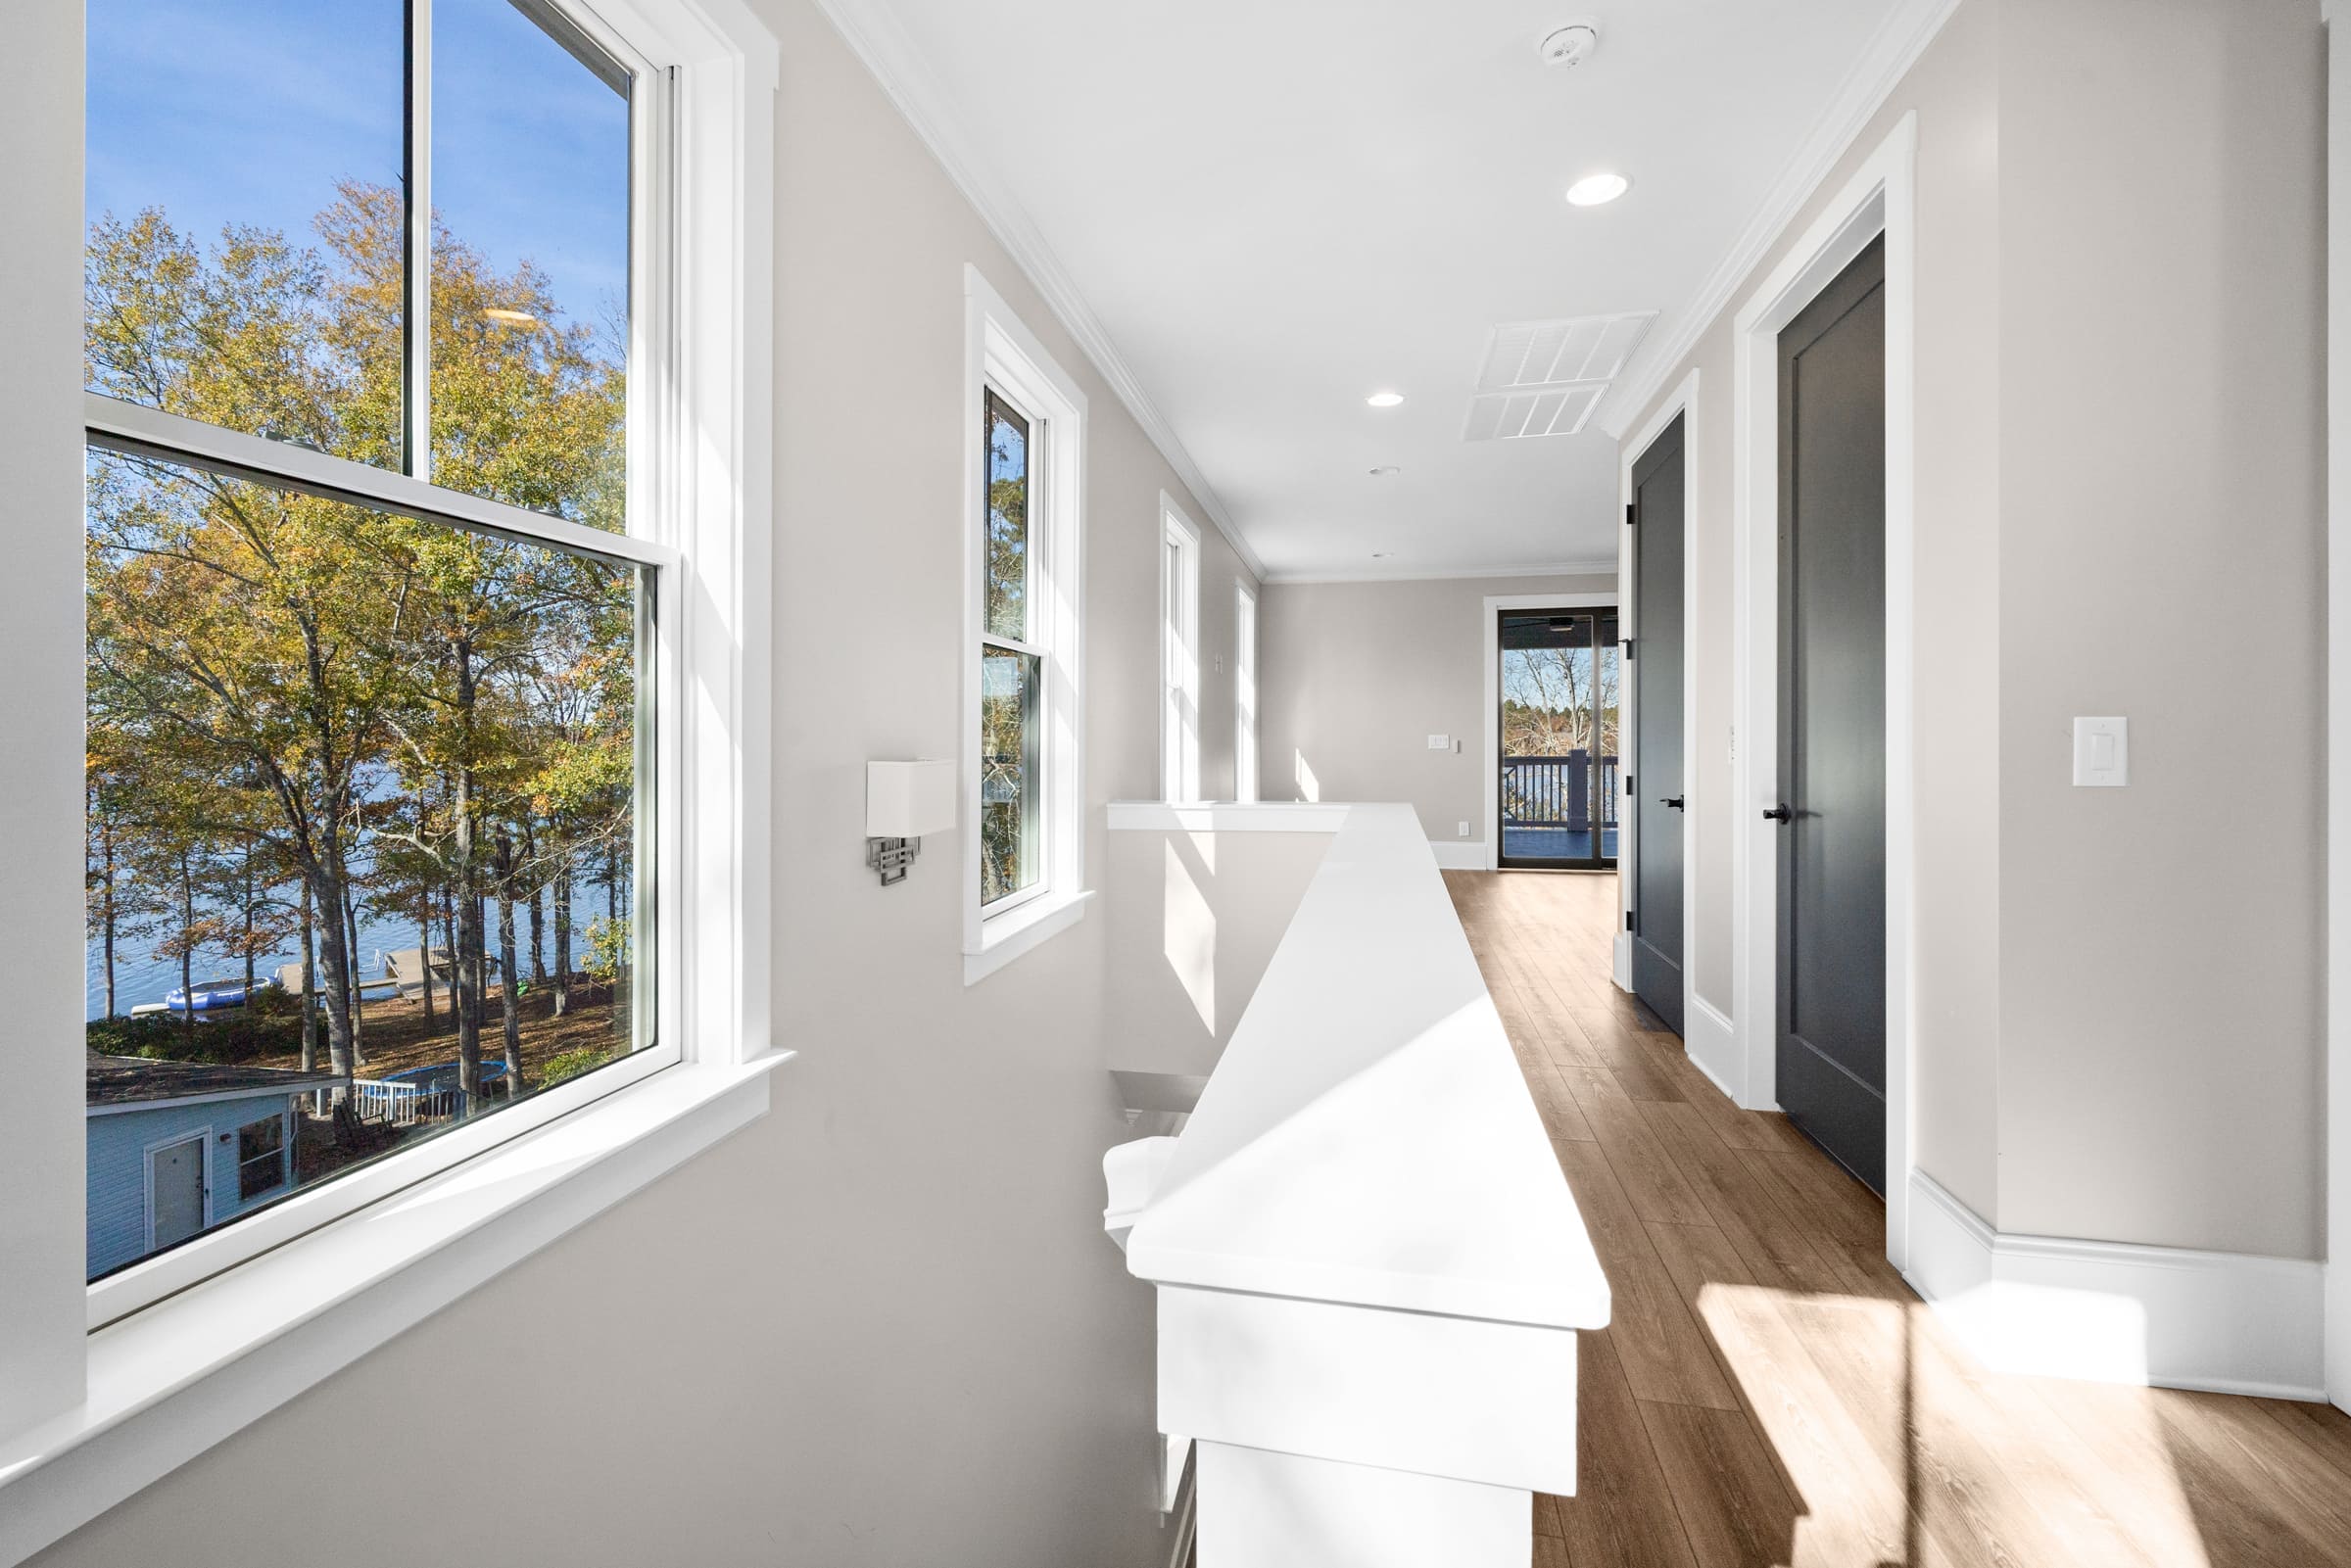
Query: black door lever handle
pixel 1675 802
pixel 1779 814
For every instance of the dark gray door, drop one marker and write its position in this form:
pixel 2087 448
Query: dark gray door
pixel 1657 794
pixel 1832 837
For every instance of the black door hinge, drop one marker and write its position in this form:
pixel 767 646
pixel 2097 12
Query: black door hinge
pixel 1629 924
pixel 1628 783
pixel 1632 513
pixel 1628 647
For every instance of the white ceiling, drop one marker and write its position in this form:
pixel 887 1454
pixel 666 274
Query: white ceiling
pixel 1275 209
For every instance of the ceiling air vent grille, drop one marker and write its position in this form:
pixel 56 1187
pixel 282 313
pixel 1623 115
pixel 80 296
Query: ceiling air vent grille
pixel 1548 354
pixel 1542 411
pixel 1545 378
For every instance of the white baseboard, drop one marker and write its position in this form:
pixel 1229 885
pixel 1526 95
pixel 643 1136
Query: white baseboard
pixel 1460 854
pixel 2115 1313
pixel 1712 1044
pixel 1621 965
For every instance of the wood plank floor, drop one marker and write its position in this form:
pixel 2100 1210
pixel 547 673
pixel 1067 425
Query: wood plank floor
pixel 1770 1393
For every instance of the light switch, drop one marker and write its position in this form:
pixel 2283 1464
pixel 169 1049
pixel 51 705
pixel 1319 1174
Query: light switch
pixel 2101 753
pixel 1440 743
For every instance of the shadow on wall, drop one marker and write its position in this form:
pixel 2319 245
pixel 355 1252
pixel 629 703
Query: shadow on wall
pixel 1190 944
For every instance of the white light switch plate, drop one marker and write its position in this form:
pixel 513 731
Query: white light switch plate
pixel 2101 753
pixel 1440 743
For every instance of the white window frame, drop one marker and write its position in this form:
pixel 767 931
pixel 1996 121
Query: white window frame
pixel 1001 355
pixel 142 1371
pixel 1244 693
pixel 1178 655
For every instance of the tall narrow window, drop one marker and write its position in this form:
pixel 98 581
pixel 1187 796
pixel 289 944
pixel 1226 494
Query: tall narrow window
pixel 1011 782
pixel 1244 693
pixel 370 709
pixel 1025 783
pixel 1180 656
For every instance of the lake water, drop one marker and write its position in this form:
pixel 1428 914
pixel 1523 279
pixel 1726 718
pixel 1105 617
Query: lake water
pixel 141 977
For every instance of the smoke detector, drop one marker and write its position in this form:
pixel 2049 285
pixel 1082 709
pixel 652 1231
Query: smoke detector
pixel 1570 45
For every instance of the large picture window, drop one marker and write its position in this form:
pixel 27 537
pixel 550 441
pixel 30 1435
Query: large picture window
pixel 370 712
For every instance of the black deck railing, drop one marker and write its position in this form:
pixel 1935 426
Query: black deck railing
pixel 1556 791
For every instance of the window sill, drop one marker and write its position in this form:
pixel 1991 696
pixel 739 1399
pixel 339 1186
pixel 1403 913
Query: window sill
pixel 173 1380
pixel 1008 935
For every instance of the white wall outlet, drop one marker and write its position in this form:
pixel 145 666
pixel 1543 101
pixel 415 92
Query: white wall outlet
pixel 2101 753
pixel 1460 829
pixel 1440 743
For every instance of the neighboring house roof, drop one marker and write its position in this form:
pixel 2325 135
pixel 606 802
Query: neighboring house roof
pixel 130 1082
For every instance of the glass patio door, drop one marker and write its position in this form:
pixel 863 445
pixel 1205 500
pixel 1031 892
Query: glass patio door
pixel 1559 715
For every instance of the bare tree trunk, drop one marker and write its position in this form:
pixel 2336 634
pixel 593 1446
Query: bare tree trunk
pixel 530 852
pixel 510 1009
pixel 336 958
pixel 107 915
pixel 249 925
pixel 562 928
pixel 424 956
pixel 187 945
pixel 466 952
pixel 310 982
pixel 351 977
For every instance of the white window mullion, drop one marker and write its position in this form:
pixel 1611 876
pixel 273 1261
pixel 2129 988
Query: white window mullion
pixel 416 319
pixel 1179 653
pixel 1244 693
pixel 133 427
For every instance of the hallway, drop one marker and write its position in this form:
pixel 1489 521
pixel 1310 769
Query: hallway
pixel 1770 1392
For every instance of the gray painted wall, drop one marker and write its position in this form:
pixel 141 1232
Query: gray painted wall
pixel 2120 458
pixel 2162 517
pixel 881 1326
pixel 1358 675
pixel 1194 918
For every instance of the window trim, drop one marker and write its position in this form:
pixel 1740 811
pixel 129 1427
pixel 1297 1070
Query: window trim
pixel 1002 355
pixel 1246 694
pixel 1178 655
pixel 655 527
pixel 102 1414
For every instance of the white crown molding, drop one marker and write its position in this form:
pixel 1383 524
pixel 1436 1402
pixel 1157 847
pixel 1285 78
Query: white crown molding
pixel 1892 50
pixel 1591 568
pixel 879 40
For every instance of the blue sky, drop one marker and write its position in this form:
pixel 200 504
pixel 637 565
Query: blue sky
pixel 250 113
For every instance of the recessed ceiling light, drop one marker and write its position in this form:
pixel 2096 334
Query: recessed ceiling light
pixel 1595 189
pixel 1385 400
pixel 1382 554
pixel 1387 471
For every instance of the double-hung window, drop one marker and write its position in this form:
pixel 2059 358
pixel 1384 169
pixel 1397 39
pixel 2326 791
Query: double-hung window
pixel 372 694
pixel 1179 653
pixel 1244 693
pixel 1024 776
pixel 399 841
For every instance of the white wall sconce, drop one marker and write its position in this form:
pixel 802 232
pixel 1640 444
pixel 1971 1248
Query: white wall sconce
pixel 903 802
